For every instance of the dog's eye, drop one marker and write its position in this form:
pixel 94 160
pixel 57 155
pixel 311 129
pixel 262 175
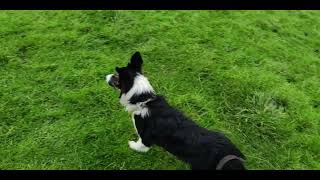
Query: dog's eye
pixel 116 75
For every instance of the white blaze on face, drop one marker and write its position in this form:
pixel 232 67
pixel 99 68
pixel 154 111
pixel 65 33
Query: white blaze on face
pixel 108 77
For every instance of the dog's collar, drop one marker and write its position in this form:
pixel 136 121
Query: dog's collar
pixel 226 159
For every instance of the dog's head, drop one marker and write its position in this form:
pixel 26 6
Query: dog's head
pixel 124 77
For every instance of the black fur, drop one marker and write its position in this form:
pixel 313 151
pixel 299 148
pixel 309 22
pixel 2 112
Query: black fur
pixel 172 130
pixel 179 135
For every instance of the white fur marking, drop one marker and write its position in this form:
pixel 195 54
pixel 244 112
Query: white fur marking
pixel 108 77
pixel 134 123
pixel 143 113
pixel 140 85
pixel 138 146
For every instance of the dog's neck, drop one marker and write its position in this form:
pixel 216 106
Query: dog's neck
pixel 141 87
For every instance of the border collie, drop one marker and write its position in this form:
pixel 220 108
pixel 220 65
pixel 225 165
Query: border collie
pixel 157 123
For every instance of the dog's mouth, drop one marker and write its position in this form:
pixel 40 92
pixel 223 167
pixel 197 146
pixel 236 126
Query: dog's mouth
pixel 113 80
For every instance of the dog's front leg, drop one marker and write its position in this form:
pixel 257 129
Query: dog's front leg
pixel 138 146
pixel 144 142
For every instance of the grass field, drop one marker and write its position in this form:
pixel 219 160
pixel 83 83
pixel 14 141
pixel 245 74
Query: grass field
pixel 254 75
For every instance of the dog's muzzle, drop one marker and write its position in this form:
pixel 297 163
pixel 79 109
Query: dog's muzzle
pixel 113 80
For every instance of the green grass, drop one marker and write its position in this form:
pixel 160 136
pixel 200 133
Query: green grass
pixel 255 75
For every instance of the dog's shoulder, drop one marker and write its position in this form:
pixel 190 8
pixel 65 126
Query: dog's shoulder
pixel 163 113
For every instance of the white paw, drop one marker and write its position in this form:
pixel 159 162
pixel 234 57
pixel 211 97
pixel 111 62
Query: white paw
pixel 132 145
pixel 138 146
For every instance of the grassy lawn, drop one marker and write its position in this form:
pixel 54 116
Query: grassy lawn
pixel 255 75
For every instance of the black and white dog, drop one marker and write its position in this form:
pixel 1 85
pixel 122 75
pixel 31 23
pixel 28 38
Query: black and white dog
pixel 157 123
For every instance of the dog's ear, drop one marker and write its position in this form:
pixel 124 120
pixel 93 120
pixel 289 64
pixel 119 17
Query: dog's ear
pixel 136 61
pixel 118 69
